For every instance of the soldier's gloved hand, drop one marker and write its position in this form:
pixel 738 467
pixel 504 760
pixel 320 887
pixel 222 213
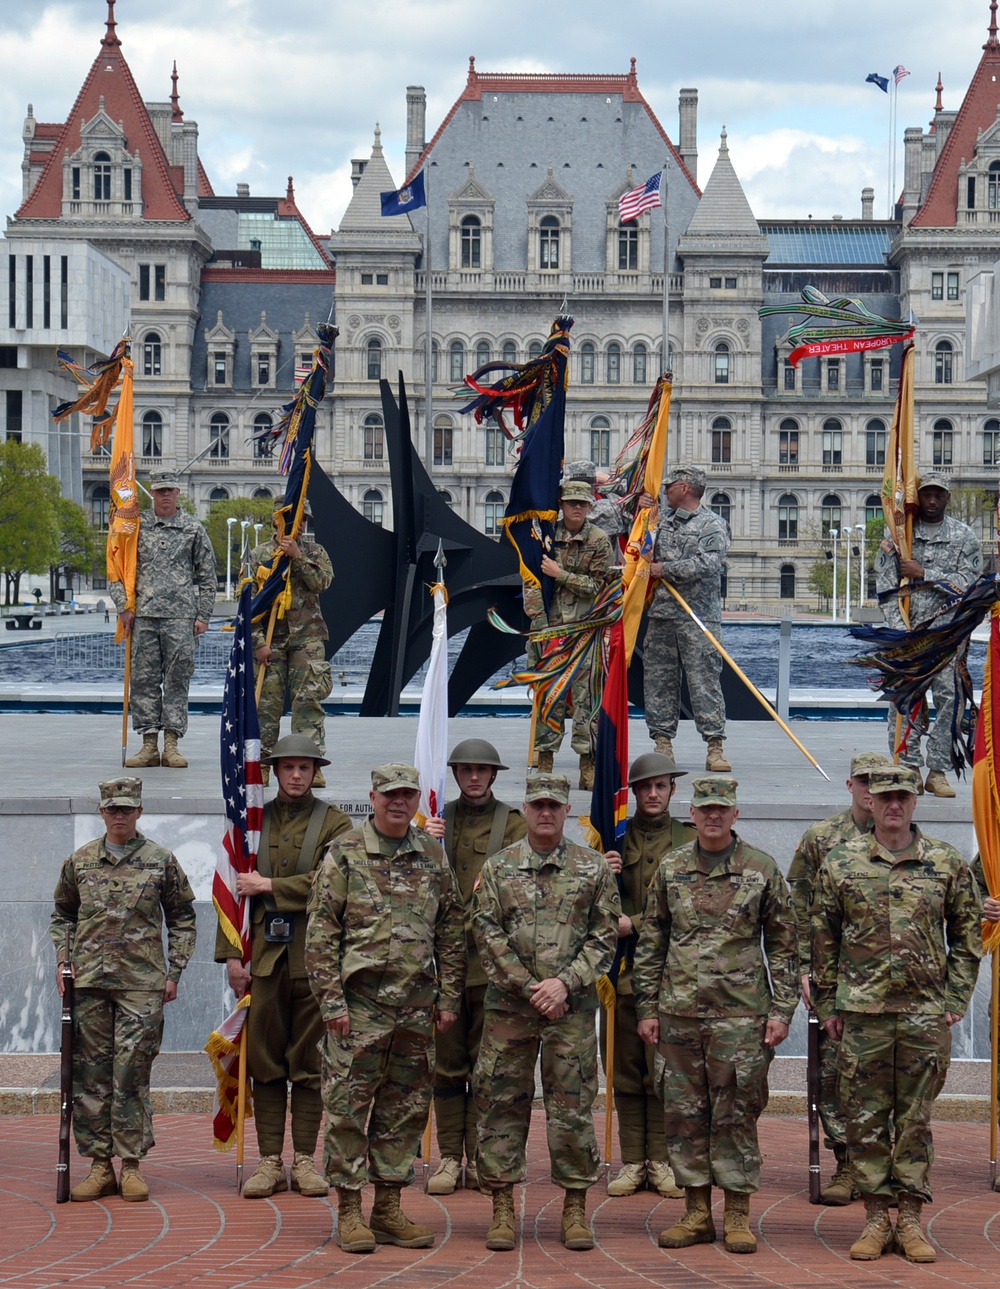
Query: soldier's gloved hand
pixel 170 991
pixel 775 1033
pixel 614 861
pixel 649 1031
pixel 443 1021
pixel 435 826
pixel 239 977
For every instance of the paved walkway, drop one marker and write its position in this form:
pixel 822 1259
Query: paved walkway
pixel 197 1232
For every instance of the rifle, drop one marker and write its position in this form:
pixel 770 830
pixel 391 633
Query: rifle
pixel 65 1078
pixel 812 1104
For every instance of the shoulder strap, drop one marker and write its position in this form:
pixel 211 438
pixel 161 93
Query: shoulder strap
pixel 500 816
pixel 264 845
pixel 450 812
pixel 311 840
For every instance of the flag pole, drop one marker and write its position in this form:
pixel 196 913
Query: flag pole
pixel 994 1034
pixel 126 691
pixel 241 1107
pixel 610 1012
pixel 666 273
pixel 428 335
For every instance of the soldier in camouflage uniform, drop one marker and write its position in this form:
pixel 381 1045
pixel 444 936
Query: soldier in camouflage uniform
pixel 581 565
pixel 947 558
pixel 284 1027
pixel 296 656
pixel 690 552
pixel 888 985
pixel 605 513
pixel 473 826
pixel 113 897
pixel 385 951
pixel 650 834
pixel 175 585
pixel 817 842
pixel 545 918
pixel 702 995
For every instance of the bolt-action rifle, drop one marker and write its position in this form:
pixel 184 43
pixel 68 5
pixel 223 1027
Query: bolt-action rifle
pixel 65 1078
pixel 812 1100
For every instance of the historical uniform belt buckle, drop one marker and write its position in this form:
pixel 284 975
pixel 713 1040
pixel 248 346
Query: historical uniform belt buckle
pixel 279 928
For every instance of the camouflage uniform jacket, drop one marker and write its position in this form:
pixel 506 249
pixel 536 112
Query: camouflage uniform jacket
pixel 289 821
pixel 175 570
pixel 537 917
pixel 385 923
pixel 700 953
pixel 646 842
pixel 692 546
pixel 817 842
pixel 585 561
pixel 311 574
pixel 467 852
pixel 879 924
pixel 948 552
pixel 114 910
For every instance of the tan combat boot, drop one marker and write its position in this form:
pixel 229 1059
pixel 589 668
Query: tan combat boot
pixel 171 756
pixel 100 1181
pixel 664 746
pixel 630 1179
pixel 352 1234
pixel 910 1239
pixel 696 1226
pixel 447 1177
pixel 575 1231
pixel 715 758
pixel 501 1235
pixel 266 1179
pixel 660 1178
pixel 587 772
pixel 937 784
pixel 471 1176
pixel 149 756
pixel 133 1185
pixel 736 1231
pixel 318 780
pixel 876 1238
pixel 842 1187
pixel 545 762
pixel 390 1224
pixel 305 1179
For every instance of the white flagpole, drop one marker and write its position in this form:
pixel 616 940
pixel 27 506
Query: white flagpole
pixel 428 335
pixel 666 273
pixel 889 175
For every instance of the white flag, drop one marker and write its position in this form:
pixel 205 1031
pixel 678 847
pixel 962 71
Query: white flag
pixel 431 755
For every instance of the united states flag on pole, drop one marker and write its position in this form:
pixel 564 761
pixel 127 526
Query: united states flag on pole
pixel 636 200
pixel 899 72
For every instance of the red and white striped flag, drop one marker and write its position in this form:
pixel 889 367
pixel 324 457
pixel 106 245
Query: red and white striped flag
pixel 636 200
pixel 899 72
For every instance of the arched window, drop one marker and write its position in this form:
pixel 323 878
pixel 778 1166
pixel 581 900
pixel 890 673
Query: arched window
pixel 263 494
pixel 587 354
pixel 373 436
pixel 219 494
pixel 218 435
pixel 787 591
pixel 628 246
pixel 443 441
pixel 943 363
pixel 788 442
pixel 471 243
pixel 373 506
pixel 873 507
pixel 831 514
pixel 482 353
pixel 447 498
pixel 534 350
pixel 722 363
pixel 152 354
pixel 833 442
pixel 993 186
pixel 374 351
pixel 639 354
pixel 614 363
pixel 496 445
pixel 722 505
pixel 456 362
pixel 788 517
pixel 548 243
pixel 942 442
pixel 100 506
pixel 600 441
pixel 494 513
pixel 875 436
pixel 722 441
pixel 991 442
pixel 509 352
pixel 152 434
pixel 262 421
pixel 102 176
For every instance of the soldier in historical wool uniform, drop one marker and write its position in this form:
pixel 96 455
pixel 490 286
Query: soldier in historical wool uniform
pixel 296 655
pixel 896 944
pixel 474 826
pixel 817 842
pixel 947 558
pixel 385 951
pixel 175 587
pixel 717 923
pixel 581 565
pixel 690 551
pixel 112 900
pixel 285 1028
pixel 546 921
pixel 651 833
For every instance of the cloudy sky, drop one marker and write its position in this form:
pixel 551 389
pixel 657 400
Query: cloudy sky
pixel 296 87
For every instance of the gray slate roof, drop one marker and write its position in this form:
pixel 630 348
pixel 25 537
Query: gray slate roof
pixel 724 215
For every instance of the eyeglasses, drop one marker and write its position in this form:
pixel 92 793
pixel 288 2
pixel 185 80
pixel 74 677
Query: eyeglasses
pixel 119 810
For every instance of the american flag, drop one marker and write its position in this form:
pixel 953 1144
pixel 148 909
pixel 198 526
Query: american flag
pixel 636 200
pixel 899 72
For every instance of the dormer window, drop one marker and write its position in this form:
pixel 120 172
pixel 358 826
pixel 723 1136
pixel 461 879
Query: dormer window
pixel 548 243
pixel 471 242
pixel 102 176
pixel 993 186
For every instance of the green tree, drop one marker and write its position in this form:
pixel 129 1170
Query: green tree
pixel 29 527
pixel 259 510
pixel 821 580
pixel 77 543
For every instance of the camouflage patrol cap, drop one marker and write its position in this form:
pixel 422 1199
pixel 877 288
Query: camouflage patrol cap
pixel 686 474
pixel 297 745
pixel 720 790
pixel 164 479
pixel 475 751
pixel 650 766
pixel 865 762
pixel 893 778
pixel 935 479
pixel 547 787
pixel 121 792
pixel 576 490
pixel 394 776
pixel 585 470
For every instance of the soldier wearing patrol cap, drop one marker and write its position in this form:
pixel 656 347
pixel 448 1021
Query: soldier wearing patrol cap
pixel 175 585
pixel 650 834
pixel 385 951
pixel 474 826
pixel 546 921
pixel 605 513
pixel 580 565
pixel 716 984
pixel 817 842
pixel 112 900
pixel 690 552
pixel 284 1027
pixel 946 559
pixel 896 946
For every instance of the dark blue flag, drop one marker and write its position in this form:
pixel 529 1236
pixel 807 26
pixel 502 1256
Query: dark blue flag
pixel 410 197
pixel 873 78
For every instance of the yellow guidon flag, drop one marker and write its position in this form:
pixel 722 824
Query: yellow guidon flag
pixel 123 518
pixel 652 434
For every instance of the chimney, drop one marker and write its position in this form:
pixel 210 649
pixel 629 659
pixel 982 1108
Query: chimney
pixel 687 111
pixel 867 203
pixel 242 190
pixel 416 124
pixel 357 169
pixel 913 147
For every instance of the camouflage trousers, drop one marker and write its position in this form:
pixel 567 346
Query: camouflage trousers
pixel 892 1069
pixel 304 669
pixel 585 701
pixel 636 1087
pixel 504 1083
pixel 938 752
pixel 377 1091
pixel 714 1091
pixel 831 1110
pixel 162 667
pixel 455 1053
pixel 671 645
pixel 116 1036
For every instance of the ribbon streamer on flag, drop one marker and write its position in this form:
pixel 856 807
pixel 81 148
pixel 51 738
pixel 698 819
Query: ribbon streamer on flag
pixel 859 329
pixel 431 753
pixel 99 381
pixel 986 779
pixel 123 513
